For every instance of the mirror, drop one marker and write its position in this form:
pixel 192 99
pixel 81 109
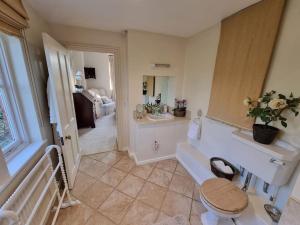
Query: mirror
pixel 158 89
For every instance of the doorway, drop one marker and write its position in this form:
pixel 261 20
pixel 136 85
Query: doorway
pixel 94 95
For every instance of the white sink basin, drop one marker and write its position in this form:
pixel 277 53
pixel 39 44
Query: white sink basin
pixel 160 117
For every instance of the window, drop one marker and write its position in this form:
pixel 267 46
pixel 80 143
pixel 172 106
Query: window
pixel 11 129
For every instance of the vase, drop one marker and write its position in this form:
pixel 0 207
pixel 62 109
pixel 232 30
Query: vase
pixel 264 134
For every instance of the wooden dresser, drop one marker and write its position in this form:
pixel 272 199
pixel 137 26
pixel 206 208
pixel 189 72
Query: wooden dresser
pixel 85 110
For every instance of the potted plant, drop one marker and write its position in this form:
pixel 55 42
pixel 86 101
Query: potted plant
pixel 269 109
pixel 180 108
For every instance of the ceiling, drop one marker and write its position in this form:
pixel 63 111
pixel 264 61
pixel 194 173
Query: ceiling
pixel 174 17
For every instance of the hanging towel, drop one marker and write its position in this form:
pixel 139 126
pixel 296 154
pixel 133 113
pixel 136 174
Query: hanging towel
pixel 195 129
pixel 51 105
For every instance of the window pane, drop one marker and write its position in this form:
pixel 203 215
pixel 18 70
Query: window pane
pixel 6 134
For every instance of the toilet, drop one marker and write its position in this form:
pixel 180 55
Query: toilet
pixel 222 199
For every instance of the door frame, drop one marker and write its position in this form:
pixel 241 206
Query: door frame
pixel 116 51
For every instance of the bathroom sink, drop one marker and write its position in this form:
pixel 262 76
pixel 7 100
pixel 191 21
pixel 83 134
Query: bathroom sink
pixel 160 117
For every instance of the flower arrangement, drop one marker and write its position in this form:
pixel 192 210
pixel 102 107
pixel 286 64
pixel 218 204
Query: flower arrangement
pixel 180 107
pixel 180 104
pixel 269 108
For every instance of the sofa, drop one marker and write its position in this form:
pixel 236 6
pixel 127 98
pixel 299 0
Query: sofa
pixel 104 105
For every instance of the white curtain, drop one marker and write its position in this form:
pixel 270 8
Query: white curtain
pixel 111 59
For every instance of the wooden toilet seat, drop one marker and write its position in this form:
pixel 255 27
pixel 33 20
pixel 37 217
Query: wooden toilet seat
pixel 223 195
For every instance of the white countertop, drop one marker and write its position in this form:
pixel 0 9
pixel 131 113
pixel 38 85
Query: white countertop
pixel 146 121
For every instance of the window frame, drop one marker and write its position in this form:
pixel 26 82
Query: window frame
pixel 11 100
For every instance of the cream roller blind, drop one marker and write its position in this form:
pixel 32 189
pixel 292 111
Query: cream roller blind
pixel 244 54
pixel 13 17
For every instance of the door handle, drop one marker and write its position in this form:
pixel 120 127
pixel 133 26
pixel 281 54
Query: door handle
pixel 68 137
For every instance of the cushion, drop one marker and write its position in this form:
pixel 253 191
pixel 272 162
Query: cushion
pixel 106 100
pixel 98 98
pixel 91 92
pixel 102 92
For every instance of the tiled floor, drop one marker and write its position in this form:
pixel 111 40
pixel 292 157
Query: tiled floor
pixel 113 190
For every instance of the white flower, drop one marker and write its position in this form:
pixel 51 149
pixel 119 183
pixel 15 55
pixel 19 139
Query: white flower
pixel 247 101
pixel 277 103
pixel 259 100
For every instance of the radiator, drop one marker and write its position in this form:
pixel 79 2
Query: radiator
pixel 38 194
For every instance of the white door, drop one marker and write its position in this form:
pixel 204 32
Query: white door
pixel 58 63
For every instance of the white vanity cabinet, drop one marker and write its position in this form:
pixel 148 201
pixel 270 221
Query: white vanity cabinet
pixel 157 141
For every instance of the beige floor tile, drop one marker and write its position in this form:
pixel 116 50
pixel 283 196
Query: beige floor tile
pixel 98 219
pixel 152 195
pixel 113 177
pixel 182 185
pixel 196 193
pixel 96 194
pixel 195 220
pixel 168 165
pixel 82 182
pixel 161 217
pixel 160 177
pixel 176 204
pixel 197 208
pixel 125 164
pixel 111 158
pixel 96 169
pixel 131 185
pixel 116 206
pixel 181 170
pixel 140 214
pixel 85 163
pixel 75 215
pixel 142 171
pixel 98 156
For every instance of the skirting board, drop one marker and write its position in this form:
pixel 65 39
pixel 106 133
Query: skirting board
pixel 143 162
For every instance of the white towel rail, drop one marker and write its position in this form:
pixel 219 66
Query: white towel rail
pixel 32 200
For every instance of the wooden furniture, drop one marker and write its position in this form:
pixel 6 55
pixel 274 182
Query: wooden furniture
pixel 246 44
pixel 222 194
pixel 85 110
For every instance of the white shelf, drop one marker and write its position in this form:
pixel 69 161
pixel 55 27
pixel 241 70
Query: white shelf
pixel 279 150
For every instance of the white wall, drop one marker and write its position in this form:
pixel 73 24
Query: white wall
pixel 38 64
pixel 144 49
pixel 201 51
pixel 101 64
pixel 77 64
pixel 78 35
pixel 38 83
pixel 283 75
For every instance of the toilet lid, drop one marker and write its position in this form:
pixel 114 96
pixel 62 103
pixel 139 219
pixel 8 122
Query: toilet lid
pixel 224 195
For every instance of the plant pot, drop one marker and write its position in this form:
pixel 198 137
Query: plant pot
pixel 179 112
pixel 264 134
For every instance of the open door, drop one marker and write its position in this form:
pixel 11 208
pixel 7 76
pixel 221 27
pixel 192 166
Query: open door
pixel 58 63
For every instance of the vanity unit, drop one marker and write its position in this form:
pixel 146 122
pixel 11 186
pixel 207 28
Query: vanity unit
pixel 156 140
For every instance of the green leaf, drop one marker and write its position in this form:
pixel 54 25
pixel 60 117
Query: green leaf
pixel 281 96
pixel 284 124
